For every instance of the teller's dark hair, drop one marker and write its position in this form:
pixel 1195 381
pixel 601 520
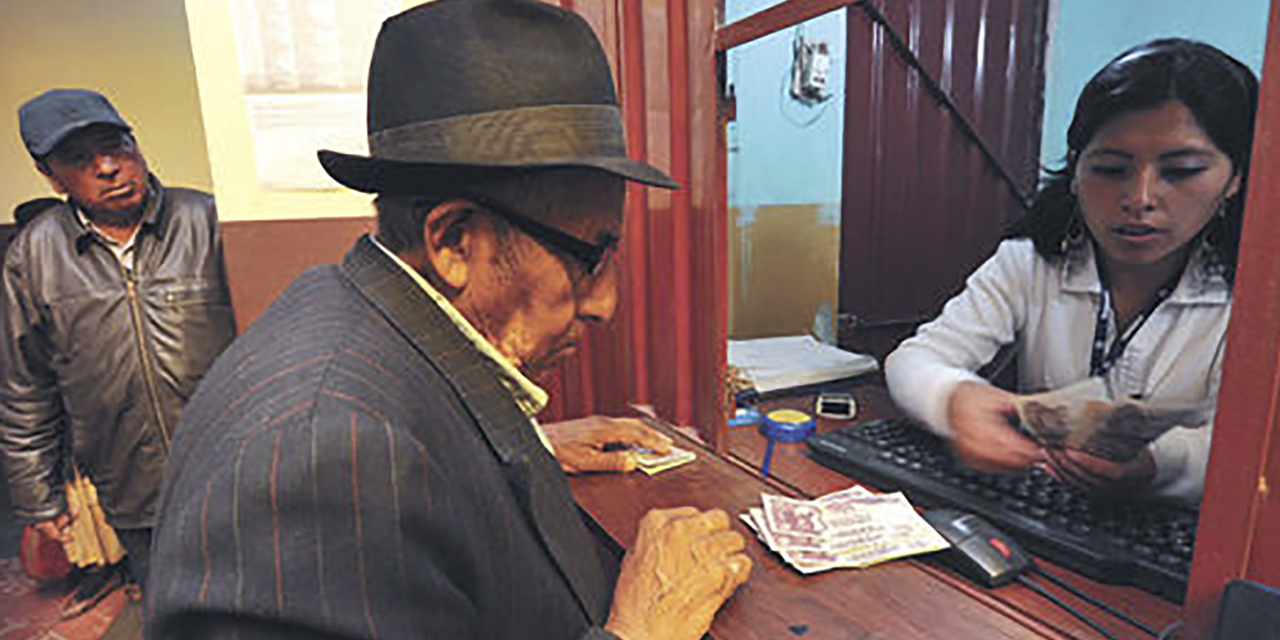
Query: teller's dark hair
pixel 1219 91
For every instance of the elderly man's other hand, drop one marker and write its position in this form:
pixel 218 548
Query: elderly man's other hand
pixel 684 564
pixel 600 443
pixel 981 435
pixel 56 528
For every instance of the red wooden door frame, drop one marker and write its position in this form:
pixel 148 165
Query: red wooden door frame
pixel 776 18
pixel 1239 535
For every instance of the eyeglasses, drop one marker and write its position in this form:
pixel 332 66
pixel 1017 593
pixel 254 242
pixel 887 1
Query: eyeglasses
pixel 591 256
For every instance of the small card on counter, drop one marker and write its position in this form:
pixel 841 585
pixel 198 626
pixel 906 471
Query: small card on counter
pixel 652 462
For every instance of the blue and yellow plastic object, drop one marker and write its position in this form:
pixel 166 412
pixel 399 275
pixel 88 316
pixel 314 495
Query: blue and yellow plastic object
pixel 745 417
pixel 783 425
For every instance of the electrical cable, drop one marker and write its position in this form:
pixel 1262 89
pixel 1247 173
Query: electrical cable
pixel 1065 606
pixel 1066 586
pixel 1168 632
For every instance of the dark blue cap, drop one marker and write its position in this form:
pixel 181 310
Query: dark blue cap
pixel 49 117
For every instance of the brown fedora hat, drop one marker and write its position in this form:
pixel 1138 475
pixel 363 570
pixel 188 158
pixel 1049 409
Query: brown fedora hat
pixel 465 90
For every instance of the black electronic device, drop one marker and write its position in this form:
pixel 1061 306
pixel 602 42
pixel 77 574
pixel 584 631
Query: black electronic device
pixel 1147 545
pixel 836 405
pixel 1248 611
pixel 978 550
pixel 984 554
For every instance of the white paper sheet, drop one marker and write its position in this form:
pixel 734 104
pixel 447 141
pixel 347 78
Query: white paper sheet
pixel 787 362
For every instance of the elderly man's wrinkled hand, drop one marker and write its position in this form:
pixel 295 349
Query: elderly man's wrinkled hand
pixel 600 443
pixel 684 564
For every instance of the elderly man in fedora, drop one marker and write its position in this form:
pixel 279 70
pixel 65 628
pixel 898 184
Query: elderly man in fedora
pixel 363 462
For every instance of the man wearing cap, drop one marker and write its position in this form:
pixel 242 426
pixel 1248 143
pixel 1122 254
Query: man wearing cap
pixel 363 462
pixel 114 305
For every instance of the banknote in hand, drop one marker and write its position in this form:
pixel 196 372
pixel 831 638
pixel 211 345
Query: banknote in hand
pixel 1120 432
pixel 1083 416
pixel 1051 417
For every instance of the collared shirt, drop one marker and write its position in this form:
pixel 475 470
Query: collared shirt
pixel 1049 309
pixel 528 396
pixel 124 252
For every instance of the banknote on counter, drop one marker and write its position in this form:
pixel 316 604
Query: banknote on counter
pixel 651 462
pixel 847 529
pixel 1083 416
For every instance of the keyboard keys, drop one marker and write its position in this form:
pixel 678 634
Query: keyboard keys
pixel 1148 545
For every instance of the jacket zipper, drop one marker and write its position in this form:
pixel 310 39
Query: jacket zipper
pixel 136 312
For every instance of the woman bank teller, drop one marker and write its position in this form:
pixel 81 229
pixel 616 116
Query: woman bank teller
pixel 1122 269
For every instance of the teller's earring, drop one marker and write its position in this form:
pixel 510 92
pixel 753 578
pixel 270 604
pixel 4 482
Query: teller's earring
pixel 1218 230
pixel 1074 235
pixel 1215 227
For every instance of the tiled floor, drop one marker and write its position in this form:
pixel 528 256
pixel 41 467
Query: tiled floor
pixel 30 612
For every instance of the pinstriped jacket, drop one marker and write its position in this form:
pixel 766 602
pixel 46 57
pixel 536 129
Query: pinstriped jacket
pixel 351 467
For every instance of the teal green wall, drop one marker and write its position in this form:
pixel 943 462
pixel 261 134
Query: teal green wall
pixel 781 151
pixel 1085 34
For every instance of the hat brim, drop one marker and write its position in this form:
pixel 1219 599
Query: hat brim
pixel 61 133
pixel 376 175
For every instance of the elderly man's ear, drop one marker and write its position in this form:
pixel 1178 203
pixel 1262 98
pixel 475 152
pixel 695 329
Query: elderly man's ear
pixel 449 239
pixel 58 187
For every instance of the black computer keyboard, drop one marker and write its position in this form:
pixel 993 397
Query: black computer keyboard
pixel 1145 545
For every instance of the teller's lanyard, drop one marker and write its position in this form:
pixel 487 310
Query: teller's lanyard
pixel 1103 358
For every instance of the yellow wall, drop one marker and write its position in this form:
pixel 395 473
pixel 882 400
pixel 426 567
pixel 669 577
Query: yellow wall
pixel 136 52
pixel 783 268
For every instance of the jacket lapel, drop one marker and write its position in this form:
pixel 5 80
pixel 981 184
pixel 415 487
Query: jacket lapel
pixel 532 473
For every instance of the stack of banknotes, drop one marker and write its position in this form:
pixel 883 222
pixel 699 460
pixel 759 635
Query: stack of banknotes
pixel 853 528
pixel 1083 416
